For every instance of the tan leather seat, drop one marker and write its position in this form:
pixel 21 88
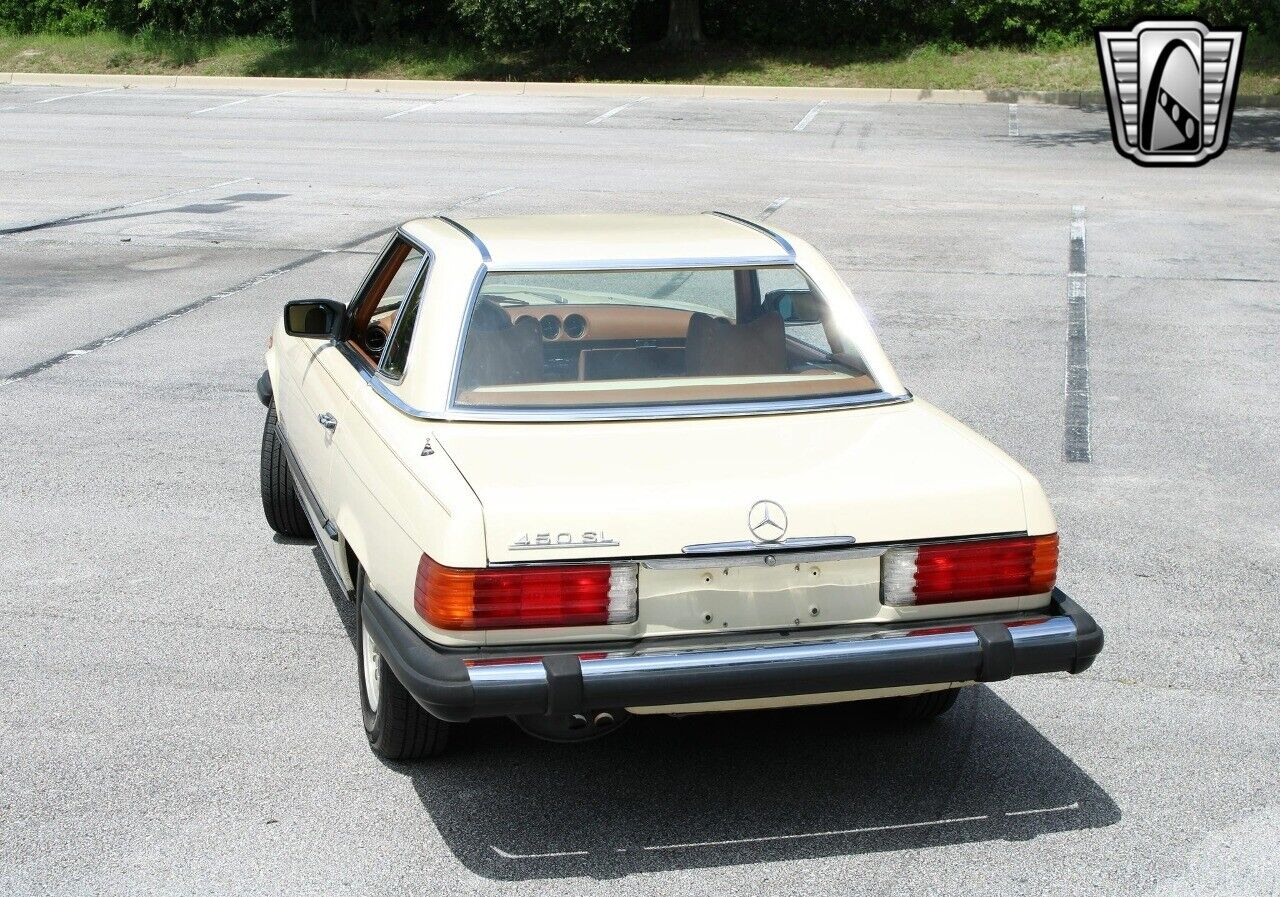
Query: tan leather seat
pixel 503 355
pixel 716 348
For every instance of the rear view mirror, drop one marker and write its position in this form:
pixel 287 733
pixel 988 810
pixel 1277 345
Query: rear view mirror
pixel 794 306
pixel 314 318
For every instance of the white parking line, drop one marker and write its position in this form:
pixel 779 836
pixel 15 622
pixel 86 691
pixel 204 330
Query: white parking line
pixel 1074 805
pixel 536 856
pixel 424 106
pixel 614 111
pixel 764 839
pixel 238 102
pixel 1013 120
pixel 809 116
pixel 68 96
pixel 774 206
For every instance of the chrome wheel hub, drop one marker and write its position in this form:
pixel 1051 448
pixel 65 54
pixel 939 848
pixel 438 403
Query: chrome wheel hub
pixel 372 668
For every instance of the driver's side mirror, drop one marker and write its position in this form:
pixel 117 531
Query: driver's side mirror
pixel 794 306
pixel 314 318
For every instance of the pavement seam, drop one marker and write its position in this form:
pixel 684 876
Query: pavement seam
pixel 242 286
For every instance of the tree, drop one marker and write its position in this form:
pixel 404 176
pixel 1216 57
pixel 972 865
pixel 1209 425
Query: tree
pixel 684 24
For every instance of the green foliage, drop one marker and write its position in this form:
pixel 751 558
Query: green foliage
pixel 585 29
pixel 1042 23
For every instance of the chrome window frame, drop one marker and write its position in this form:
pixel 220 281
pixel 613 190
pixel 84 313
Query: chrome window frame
pixel 377 377
pixel 740 408
pixel 381 384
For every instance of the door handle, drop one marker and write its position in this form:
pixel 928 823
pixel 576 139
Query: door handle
pixel 327 420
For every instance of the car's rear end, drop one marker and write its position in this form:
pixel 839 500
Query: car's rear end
pixel 893 553
pixel 704 488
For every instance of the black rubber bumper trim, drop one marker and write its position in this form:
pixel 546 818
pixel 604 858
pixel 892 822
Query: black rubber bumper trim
pixel 997 652
pixel 438 681
pixel 1089 637
pixel 441 682
pixel 264 388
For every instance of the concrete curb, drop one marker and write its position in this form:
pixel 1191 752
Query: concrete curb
pixel 590 89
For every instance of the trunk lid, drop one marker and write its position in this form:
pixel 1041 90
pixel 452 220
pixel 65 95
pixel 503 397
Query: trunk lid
pixel 643 489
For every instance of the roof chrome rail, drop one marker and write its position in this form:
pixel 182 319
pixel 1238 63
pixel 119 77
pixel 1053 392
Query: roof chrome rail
pixel 759 228
pixel 479 244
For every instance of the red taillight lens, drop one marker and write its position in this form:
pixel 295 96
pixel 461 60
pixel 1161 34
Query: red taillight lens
pixel 969 571
pixel 519 597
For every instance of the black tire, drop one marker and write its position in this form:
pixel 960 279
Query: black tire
pixel 399 729
pixel 279 498
pixel 919 708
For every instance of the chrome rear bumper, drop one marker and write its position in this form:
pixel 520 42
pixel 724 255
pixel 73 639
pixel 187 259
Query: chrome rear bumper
pixel 575 679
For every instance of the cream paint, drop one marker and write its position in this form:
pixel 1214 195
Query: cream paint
pixel 879 474
pixel 658 486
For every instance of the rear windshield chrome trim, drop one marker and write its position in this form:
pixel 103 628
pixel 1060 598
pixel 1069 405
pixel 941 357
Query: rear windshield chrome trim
pixel 644 264
pixel 760 228
pixel 476 241
pixel 744 408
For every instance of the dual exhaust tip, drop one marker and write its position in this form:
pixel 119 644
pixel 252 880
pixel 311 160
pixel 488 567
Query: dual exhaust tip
pixel 568 727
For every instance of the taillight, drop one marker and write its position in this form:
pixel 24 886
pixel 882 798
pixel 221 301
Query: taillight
pixel 968 571
pixel 519 597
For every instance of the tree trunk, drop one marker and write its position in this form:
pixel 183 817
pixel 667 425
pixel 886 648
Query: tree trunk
pixel 684 24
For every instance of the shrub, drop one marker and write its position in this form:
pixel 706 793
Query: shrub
pixel 585 29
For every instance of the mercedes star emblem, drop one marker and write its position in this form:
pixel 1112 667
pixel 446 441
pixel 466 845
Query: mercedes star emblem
pixel 767 521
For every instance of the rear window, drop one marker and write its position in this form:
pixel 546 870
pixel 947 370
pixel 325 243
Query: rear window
pixel 649 338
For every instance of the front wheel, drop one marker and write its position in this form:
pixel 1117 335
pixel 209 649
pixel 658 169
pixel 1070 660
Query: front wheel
pixel 397 726
pixel 279 495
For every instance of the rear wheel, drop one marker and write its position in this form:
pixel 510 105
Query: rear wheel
pixel 919 708
pixel 397 726
pixel 279 497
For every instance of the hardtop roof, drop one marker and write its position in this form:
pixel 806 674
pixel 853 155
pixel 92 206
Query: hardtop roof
pixel 547 241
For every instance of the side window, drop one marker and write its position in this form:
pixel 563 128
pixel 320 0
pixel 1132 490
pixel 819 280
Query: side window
pixel 384 297
pixel 396 353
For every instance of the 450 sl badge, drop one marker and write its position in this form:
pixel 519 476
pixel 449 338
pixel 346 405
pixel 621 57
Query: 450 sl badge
pixel 592 538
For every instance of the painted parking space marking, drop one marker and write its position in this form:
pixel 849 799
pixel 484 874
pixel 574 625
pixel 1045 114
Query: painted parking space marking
pixel 538 856
pixel 62 96
pixel 774 206
pixel 239 101
pixel 802 836
pixel 1077 438
pixel 419 108
pixel 1014 130
pixel 615 110
pixel 70 96
pixel 809 116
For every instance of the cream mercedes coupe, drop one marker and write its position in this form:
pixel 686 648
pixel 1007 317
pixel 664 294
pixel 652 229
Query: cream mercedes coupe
pixel 573 468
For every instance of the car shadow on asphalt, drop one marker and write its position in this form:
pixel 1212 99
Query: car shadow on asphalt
pixel 667 793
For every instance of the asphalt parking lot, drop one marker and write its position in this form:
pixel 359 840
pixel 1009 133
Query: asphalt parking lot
pixel 178 688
